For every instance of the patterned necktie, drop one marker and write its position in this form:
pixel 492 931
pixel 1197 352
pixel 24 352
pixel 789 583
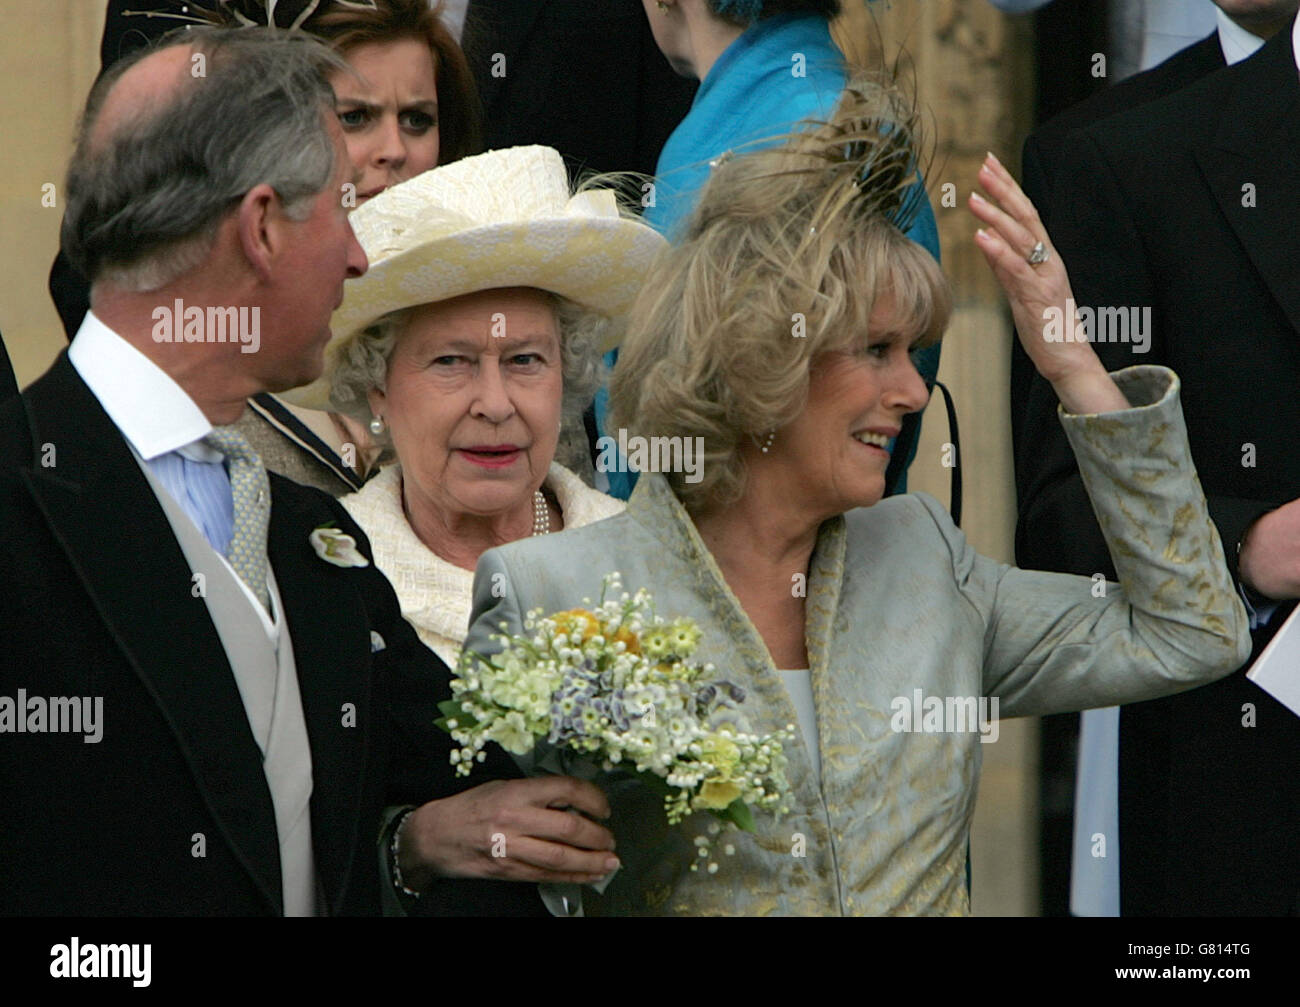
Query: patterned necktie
pixel 251 492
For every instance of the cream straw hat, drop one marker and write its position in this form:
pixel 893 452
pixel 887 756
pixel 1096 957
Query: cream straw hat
pixel 501 219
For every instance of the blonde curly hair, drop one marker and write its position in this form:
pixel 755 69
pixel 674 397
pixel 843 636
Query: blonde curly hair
pixel 781 262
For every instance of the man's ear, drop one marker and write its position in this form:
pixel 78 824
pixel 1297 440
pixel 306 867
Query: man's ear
pixel 260 222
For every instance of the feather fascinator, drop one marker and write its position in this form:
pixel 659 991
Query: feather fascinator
pixel 286 14
pixel 862 163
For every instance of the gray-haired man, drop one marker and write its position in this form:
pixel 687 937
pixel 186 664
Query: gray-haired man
pixel 216 710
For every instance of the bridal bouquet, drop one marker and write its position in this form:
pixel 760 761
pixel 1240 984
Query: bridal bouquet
pixel 614 684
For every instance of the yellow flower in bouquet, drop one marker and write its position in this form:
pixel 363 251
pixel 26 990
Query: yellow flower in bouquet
pixel 614 684
pixel 628 639
pixel 717 795
pixel 577 624
pixel 719 788
pixel 721 751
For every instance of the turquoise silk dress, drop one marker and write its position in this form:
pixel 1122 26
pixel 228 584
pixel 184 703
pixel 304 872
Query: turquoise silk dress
pixel 898 601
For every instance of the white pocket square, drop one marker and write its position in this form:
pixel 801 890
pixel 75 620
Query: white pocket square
pixel 376 642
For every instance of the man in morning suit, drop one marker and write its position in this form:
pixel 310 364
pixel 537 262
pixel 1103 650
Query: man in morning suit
pixel 1241 28
pixel 204 709
pixel 1188 204
pixel 1048 145
pixel 8 382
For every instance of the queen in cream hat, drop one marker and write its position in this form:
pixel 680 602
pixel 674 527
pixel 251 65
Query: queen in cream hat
pixel 506 218
pixel 472 348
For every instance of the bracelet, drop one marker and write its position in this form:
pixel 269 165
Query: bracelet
pixel 398 883
pixel 1248 594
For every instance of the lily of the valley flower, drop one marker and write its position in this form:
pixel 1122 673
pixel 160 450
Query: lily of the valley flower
pixel 339 548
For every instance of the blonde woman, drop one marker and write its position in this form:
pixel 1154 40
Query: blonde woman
pixel 828 606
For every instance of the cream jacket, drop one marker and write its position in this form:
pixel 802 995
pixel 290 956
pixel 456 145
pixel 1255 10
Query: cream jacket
pixel 434 594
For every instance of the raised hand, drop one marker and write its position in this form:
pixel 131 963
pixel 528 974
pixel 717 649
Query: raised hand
pixel 1020 253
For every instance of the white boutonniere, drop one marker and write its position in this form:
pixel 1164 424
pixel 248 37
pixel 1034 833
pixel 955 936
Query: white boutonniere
pixel 334 546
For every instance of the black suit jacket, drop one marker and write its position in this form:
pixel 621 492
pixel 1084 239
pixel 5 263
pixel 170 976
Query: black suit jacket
pixel 592 85
pixel 8 381
pixel 1147 211
pixel 103 607
pixel 1047 148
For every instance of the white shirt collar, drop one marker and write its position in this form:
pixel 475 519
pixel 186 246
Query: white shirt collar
pixel 1237 43
pixel 152 411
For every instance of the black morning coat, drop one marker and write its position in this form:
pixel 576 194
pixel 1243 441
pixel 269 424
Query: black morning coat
pixel 1190 204
pixel 101 605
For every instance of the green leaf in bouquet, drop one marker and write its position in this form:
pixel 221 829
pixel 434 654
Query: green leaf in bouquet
pixel 451 709
pixel 738 813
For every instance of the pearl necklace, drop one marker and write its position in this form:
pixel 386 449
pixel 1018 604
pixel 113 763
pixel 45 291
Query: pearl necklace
pixel 541 514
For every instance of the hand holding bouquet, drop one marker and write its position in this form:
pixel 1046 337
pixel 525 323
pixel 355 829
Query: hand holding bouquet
pixel 613 684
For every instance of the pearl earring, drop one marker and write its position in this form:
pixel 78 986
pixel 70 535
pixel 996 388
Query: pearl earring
pixel 767 442
pixel 377 425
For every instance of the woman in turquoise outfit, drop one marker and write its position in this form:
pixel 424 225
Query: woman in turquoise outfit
pixel 838 612
pixel 764 66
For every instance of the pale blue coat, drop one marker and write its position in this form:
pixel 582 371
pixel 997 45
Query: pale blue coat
pixel 898 601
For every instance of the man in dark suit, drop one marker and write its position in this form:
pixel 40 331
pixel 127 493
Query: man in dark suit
pixel 8 382
pixel 1188 204
pixel 1069 742
pixel 214 704
pixel 1048 146
pixel 1079 750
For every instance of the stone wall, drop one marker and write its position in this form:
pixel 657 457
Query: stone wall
pixel 50 54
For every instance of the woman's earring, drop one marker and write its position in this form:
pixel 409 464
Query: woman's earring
pixel 767 442
pixel 663 7
pixel 377 425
